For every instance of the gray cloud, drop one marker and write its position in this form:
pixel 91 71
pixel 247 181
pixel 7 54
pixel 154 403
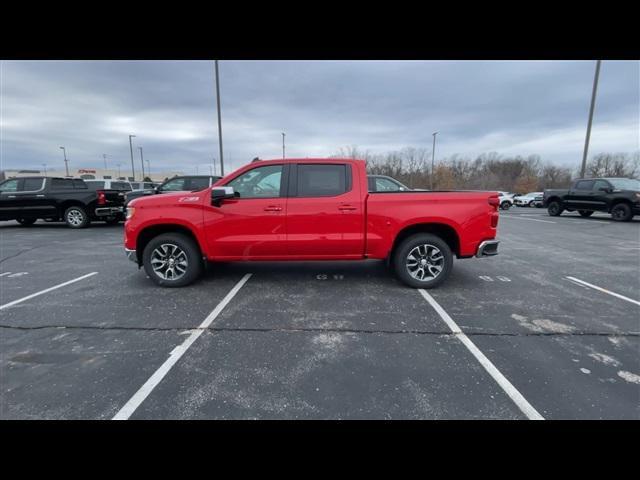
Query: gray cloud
pixel 510 107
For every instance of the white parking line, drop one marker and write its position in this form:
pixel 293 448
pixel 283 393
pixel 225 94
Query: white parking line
pixel 5 273
pixel 530 219
pixel 521 402
pixel 134 402
pixel 41 292
pixel 595 287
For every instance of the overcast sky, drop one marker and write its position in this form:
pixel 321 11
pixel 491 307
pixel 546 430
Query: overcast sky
pixel 524 108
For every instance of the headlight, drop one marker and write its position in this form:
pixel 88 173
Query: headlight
pixel 130 212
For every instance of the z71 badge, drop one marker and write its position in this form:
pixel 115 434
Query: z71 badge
pixel 189 199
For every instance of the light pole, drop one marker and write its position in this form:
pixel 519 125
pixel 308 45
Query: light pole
pixel 219 120
pixel 104 156
pixel 148 168
pixel 45 169
pixel 66 162
pixel 593 104
pixel 433 157
pixel 283 145
pixel 215 171
pixel 118 165
pixel 142 162
pixel 133 170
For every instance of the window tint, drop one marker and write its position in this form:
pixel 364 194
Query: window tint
pixel 9 185
pixel 107 177
pixel 148 185
pixel 61 184
pixel 584 185
pixel 386 185
pixel 77 183
pixel 598 184
pixel 321 180
pixel 120 186
pixel 199 183
pixel 32 184
pixel 95 185
pixel 175 185
pixel 260 182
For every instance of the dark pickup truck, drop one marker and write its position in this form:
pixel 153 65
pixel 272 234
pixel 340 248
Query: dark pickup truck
pixel 28 199
pixel 176 184
pixel 618 196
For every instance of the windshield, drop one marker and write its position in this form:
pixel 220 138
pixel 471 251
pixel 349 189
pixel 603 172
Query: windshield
pixel 625 183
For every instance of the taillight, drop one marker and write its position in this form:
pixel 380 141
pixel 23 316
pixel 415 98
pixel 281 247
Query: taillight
pixel 494 201
pixel 102 199
pixel 494 219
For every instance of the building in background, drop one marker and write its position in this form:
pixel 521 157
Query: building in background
pixel 87 174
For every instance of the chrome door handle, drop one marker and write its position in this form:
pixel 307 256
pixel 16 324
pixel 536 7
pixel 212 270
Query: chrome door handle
pixel 273 208
pixel 346 207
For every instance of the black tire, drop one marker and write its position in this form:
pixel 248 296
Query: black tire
pixel 621 212
pixel 505 205
pixel 192 254
pixel 554 209
pixel 530 204
pixel 585 213
pixel 26 222
pixel 409 246
pixel 76 217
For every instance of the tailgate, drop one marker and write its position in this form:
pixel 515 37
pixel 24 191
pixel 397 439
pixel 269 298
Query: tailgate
pixel 114 198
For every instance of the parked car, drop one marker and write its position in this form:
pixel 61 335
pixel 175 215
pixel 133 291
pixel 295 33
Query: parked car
pixel 506 200
pixel 383 183
pixel 143 185
pixel 175 184
pixel 109 184
pixel 526 200
pixel 618 196
pixel 309 209
pixel 538 201
pixel 28 199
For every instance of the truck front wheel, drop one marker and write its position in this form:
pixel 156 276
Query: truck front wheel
pixel 622 213
pixel 172 260
pixel 554 209
pixel 423 261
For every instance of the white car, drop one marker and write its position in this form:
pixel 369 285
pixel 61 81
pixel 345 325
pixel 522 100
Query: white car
pixel 526 200
pixel 506 200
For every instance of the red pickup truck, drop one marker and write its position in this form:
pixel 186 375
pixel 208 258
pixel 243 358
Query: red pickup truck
pixel 308 209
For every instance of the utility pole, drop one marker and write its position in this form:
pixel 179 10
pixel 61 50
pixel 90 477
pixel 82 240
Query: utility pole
pixel 433 157
pixel 133 170
pixel 148 168
pixel 283 145
pixel 142 162
pixel 219 120
pixel 118 165
pixel 215 171
pixel 45 169
pixel 66 162
pixel 104 156
pixel 591 109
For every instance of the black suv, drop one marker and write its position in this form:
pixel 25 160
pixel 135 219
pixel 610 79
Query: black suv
pixel 618 196
pixel 175 184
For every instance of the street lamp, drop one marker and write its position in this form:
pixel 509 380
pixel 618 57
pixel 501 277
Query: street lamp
pixel 433 157
pixel 593 104
pixel 118 165
pixel 148 168
pixel 219 119
pixel 104 157
pixel 45 169
pixel 133 170
pixel 142 162
pixel 283 145
pixel 66 162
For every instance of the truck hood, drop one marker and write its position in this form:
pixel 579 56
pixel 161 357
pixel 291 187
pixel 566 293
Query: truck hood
pixel 167 199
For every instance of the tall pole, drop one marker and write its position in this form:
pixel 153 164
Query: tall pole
pixel 118 165
pixel 66 162
pixel 215 171
pixel 133 170
pixel 142 162
pixel 433 157
pixel 283 145
pixel 104 156
pixel 591 109
pixel 211 170
pixel 219 120
pixel 45 169
pixel 148 168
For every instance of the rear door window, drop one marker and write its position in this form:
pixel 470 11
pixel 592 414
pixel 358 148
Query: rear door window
pixel 95 185
pixel 199 183
pixel 62 184
pixel 32 184
pixel 317 180
pixel 386 185
pixel 598 184
pixel 175 185
pixel 584 185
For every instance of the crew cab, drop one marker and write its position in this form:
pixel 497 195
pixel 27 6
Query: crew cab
pixel 618 196
pixel 28 199
pixel 308 209
pixel 175 184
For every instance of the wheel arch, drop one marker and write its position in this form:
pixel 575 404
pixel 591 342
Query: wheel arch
pixel 448 234
pixel 149 233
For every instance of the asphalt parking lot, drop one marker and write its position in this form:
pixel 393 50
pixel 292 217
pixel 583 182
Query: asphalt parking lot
pixel 325 340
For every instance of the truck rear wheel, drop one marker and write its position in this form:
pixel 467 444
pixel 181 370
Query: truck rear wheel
pixel 621 212
pixel 554 209
pixel 505 205
pixel 26 222
pixel 76 217
pixel 172 260
pixel 423 261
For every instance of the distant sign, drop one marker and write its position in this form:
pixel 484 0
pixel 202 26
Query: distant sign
pixel 85 170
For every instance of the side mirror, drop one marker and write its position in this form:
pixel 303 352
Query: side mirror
pixel 218 194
